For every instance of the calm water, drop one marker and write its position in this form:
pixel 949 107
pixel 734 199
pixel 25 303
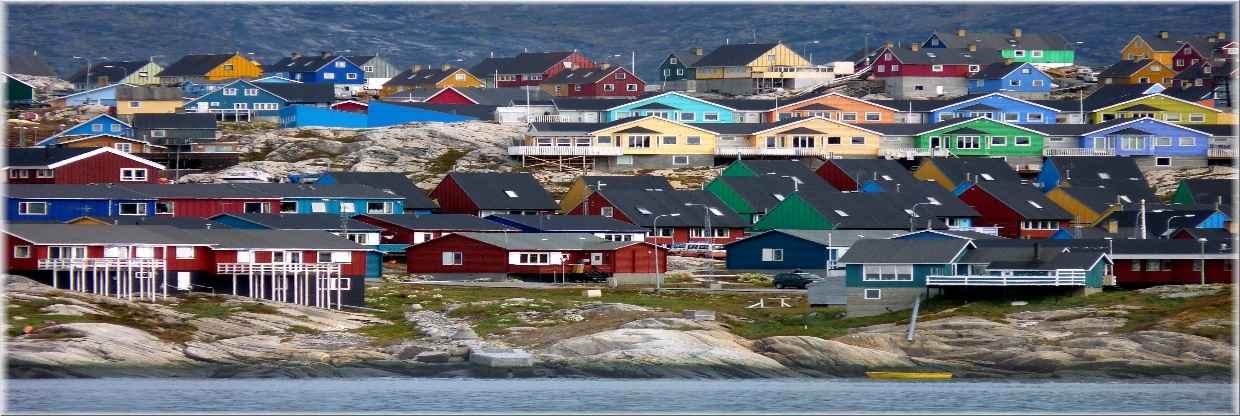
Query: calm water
pixel 576 395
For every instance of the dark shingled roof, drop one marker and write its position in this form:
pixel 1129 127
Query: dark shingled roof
pixel 654 105
pixel 33 156
pixel 1113 94
pixel 865 210
pixel 307 63
pixel 1191 93
pixel 569 223
pixel 745 104
pixel 817 106
pixel 1131 131
pixel 504 96
pixel 1216 130
pixel 194 65
pixel 802 130
pixel 687 57
pixel 957 168
pixel 739 54
pixel 779 168
pixel 301 92
pixel 523 63
pixel 54 191
pixel 587 104
pixel 996 40
pixel 421 77
pixel 295 190
pixel 1155 219
pixel 637 129
pixel 441 222
pixel 395 182
pixel 760 191
pixel 997 70
pixel 904 251
pixel 487 190
pixel 878 170
pixel 148 92
pixel 1125 69
pixel 114 70
pixel 1207 191
pixel 1097 168
pixel 1123 246
pixel 634 203
pixel 548 241
pixel 1173 43
pixel 1099 196
pixel 29 64
pixel 627 182
pixel 1021 198
pixel 580 75
pixel 174 121
pixel 946 56
pixel 1051 129
pixel 319 221
pixel 978 107
pixel 178 222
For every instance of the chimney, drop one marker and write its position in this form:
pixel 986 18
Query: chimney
pixel 446 67
pixel 1162 34
pixel 296 55
pixel 914 47
pixel 1221 35
pixel 606 66
pixel 1016 32
pixel 1113 226
pixel 325 54
pixel 972 47
pixel 888 44
pixel 415 67
pixel 961 32
pixel 699 51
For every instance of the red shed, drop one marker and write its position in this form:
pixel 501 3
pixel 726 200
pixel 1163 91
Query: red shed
pixel 351 106
pixel 478 255
pixel 1020 211
pixel 79 166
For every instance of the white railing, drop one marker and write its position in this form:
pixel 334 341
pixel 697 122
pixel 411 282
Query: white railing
pixel 1049 279
pixel 277 281
pixel 247 268
pixel 564 151
pixel 550 118
pixel 984 230
pixel 911 152
pixel 768 151
pixel 49 264
pixel 1220 152
pixel 119 277
pixel 1077 151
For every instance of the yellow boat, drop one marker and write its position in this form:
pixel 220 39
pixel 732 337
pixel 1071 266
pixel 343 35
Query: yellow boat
pixel 898 375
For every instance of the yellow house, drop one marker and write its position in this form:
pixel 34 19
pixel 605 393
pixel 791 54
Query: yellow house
pixel 1160 47
pixel 206 68
pixel 747 60
pixel 653 135
pixel 813 136
pixel 430 79
pixel 132 100
pixel 1161 107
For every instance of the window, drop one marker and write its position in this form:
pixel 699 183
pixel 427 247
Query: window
pixel 895 68
pixel 1196 265
pixel 132 208
pixel 687 116
pixel 185 252
pixel 710 116
pixel 1037 83
pixel 919 88
pixel 32 208
pixel 882 68
pixel 1019 53
pixel 1013 82
pixel 1036 53
pixel 968 142
pixel 693 140
pixel 531 258
pixel 936 68
pixel 21 252
pixel 663 232
pixel 240 106
pixel 1039 225
pixel 144 252
pixel 858 140
pixel 772 254
pixel 159 133
pixel 348 207
pixel 672 60
pixel 624 160
pixel 1174 117
pixel 849 117
pixel 379 208
pixel 329 75
pixel 1162 141
pixel 133 174
pixel 44 173
pixel 318 207
pixel 604 139
pixel 946 116
pixel 998 141
pixel 115 128
pixel 124 147
pixel 1033 117
pixel 1023 141
pixel 669 139
pixel 873 294
pixel 257 207
pixel 1011 116
pixel 1131 143
pixel 975 68
pixel 609 87
pixel 630 87
pixel 135 104
pixel 1188 141
pixel 680 160
pixel 834 140
pixel 229 91
pixel 1196 117
pixel 639 141
pixel 607 211
pixel 667 72
pixel 680 71
pixel 888 272
pixel 715 232
pixel 251 92
pixel 1162 161
pixel 873 116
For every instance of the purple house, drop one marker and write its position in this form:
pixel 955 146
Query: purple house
pixel 1164 144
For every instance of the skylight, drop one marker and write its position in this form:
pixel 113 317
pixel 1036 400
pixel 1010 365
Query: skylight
pixel 911 213
pixel 778 196
pixel 987 176
pixel 716 211
pixel 1035 204
pixel 1125 198
pixel 510 193
pixel 643 211
pixel 841 213
pixel 1104 175
pixel 886 177
pixel 933 201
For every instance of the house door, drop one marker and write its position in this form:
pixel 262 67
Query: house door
pixel 596 258
pixel 203 107
pixel 183 280
pixel 938 90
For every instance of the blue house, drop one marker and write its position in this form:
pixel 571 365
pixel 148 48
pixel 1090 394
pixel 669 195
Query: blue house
pixel 416 201
pixel 1018 79
pixel 995 106
pixel 1149 137
pixel 310 116
pixel 674 106
pixel 105 95
pixel 60 203
pixel 244 100
pixel 331 199
pixel 337 71
pixel 786 249
pixel 100 124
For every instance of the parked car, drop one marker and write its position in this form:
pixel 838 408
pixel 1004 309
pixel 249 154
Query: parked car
pixel 705 250
pixel 795 280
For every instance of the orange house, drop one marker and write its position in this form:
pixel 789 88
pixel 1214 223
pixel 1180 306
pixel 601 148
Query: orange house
pixel 1142 71
pixel 833 106
pixel 210 68
pixel 124 144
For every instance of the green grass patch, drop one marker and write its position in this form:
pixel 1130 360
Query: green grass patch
pixel 301 329
pixel 213 307
pixel 389 334
pixel 445 161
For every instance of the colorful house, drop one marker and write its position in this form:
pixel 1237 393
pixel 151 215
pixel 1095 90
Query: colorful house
pixel 597 225
pixel 1143 71
pixel 546 256
pixel 995 106
pixel 78 165
pixel 914 72
pixel 1018 211
pixel 100 124
pixel 1162 48
pixel 409 229
pixel 833 106
pixel 105 96
pixel 1151 142
pixel 121 143
pixel 418 77
pixel 340 199
pixel 203 200
pixel 776 167
pixel 752 197
pixel 101 74
pixel 148 99
pixel 603 81
pixel 865 175
pixel 209 68
pixel 1017 79
pixel 908 209
pixel 1043 50
pixel 674 106
pixel 179 132
pixel 378 69
pixel 953 172
pixel 746 68
pixel 791 250
pixel 18 92
pixel 981 136
pixel 243 100
pixel 653 142
pixel 676 71
pixel 672 216
pixel 1088 201
pixel 58 203
pixel 342 74
pixel 527 69
pixel 344 227
pixel 1216 192
pixel 416 201
pixel 1159 106
pixel 813 136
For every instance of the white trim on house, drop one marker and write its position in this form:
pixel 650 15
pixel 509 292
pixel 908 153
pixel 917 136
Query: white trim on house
pixel 990 94
pixel 1157 94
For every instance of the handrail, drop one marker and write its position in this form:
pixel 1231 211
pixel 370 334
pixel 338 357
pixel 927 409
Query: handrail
pixel 1060 279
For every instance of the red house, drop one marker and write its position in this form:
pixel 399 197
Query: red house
pixel 1020 211
pixel 489 193
pixel 682 215
pixel 527 69
pixel 313 268
pixel 539 255
pixel 914 72
pixel 415 229
pixel 604 81
pixel 1161 262
pixel 1188 55
pixel 82 165
pixel 351 106
pixel 208 199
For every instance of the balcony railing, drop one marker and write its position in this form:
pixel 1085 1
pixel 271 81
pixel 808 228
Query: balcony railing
pixel 1221 152
pixel 1077 151
pixel 1049 279
pixel 564 151
pixel 768 151
pixel 909 152
pixel 549 118
pixel 983 230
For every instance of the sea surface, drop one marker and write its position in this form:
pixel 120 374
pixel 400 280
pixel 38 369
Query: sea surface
pixel 353 395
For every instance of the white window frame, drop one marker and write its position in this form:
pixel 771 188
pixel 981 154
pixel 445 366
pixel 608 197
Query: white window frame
pixel 140 209
pixel 21 252
pixel 184 252
pixel 607 211
pixel 44 173
pixel 1158 161
pixel 23 208
pixel 772 254
pixel 710 116
pixel 1196 118
pixel 350 75
pixel 1163 141
pixel 680 160
pixel 1018 53
pixel 887 272
pixel 873 116
pixel 975 68
pixel 229 91
pixel 329 75
pixel 848 117
pixel 388 207
pixel 1016 117
pixel 895 68
pixel 936 68
pixel 1036 53
pixel 1028 141
pixel 630 87
pixel 1187 141
pixel 124 147
pixel 318 206
pixel 1034 118
pixel 132 175
pixel 1036 83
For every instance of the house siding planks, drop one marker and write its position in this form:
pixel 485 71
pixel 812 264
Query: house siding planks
pixel 842 104
pixel 452 199
pixel 680 103
pixel 1166 104
pixel 102 168
pixel 793 213
pixel 1179 271
pixel 235 67
pixel 991 129
pixel 477 257
pixel 1006 105
pixel 203 208
pixel 797 253
pixel 996 213
pixel 1105 140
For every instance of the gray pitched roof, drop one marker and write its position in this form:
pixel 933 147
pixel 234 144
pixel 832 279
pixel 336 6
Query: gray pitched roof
pixel 1125 68
pixel 318 221
pixel 29 64
pixel 258 191
pixel 395 182
pixel 295 190
pixel 174 121
pixel 100 234
pixel 641 207
pixel 301 92
pixel 114 70
pixel 1022 199
pixel 547 241
pixel 1113 94
pixel 178 222
pixel 864 210
pixel 420 77
pixel 278 239
pixel 1100 195
pixel 503 96
pixel 308 63
pixel 883 171
pixel 688 57
pixel 1097 168
pixel 441 222
pixel 946 56
pixel 746 104
pixel 194 65
pixel 573 223
pixel 779 168
pixel 886 251
pixel 487 190
pixel 1156 219
pixel 148 92
pixel 959 169
pixel 33 156
pixel 627 182
pixel 996 70
pixel 995 40
pixel 738 54
pixel 588 104
pixel 832 238
pixel 523 63
pixel 59 191
pixel 1127 247
pixel 580 76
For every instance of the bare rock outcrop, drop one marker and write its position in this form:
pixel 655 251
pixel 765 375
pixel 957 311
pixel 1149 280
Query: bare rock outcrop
pixel 661 353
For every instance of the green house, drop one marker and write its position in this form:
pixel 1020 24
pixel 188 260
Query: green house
pixel 1042 50
pixel 981 136
pixel 17 92
pixel 754 188
pixel 768 167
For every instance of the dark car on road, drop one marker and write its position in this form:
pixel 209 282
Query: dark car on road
pixel 796 280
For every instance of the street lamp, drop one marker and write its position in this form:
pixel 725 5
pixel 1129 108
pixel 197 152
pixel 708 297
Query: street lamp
pixel 658 278
pixel 1203 259
pixel 1167 230
pixel 912 213
pixel 710 237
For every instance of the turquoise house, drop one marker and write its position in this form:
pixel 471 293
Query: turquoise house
pixel 674 106
pixel 100 124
